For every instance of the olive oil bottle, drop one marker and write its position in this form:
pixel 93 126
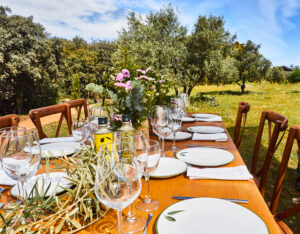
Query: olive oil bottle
pixel 127 132
pixel 103 135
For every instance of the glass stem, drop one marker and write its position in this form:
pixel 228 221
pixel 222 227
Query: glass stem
pixel 23 191
pixel 147 196
pixel 119 213
pixel 130 215
pixel 174 144
pixel 162 147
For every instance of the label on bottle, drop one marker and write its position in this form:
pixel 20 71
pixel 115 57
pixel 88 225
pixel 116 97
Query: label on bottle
pixel 101 139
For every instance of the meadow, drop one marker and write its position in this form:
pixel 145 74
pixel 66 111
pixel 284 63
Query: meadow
pixel 280 98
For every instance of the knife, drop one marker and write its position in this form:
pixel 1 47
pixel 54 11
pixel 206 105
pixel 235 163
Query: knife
pixel 227 199
pixel 208 146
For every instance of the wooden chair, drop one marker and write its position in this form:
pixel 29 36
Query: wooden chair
pixel 242 112
pixel 37 114
pixel 294 134
pixel 280 125
pixel 9 121
pixel 79 103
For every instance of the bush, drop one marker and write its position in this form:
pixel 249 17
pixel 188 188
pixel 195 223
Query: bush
pixel 294 76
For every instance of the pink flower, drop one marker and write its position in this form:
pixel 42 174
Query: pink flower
pixel 120 77
pixel 117 117
pixel 152 87
pixel 126 73
pixel 128 85
pixel 144 77
pixel 160 81
pixel 120 84
pixel 142 71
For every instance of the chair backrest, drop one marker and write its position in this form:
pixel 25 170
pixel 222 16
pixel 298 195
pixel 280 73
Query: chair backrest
pixel 9 121
pixel 294 134
pixel 280 125
pixel 37 114
pixel 79 103
pixel 240 121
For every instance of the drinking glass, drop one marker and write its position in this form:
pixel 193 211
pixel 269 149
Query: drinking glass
pixel 160 124
pixel 137 141
pixel 80 131
pixel 20 155
pixel 117 182
pixel 96 112
pixel 175 120
pixel 185 98
pixel 152 162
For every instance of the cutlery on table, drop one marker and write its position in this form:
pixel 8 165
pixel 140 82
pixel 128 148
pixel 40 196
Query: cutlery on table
pixel 147 223
pixel 227 199
pixel 1 205
pixel 208 146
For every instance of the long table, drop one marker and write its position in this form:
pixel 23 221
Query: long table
pixel 164 189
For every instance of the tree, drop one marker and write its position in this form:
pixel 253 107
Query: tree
pixel 157 42
pixel 294 76
pixel 27 65
pixel 277 75
pixel 208 47
pixel 251 64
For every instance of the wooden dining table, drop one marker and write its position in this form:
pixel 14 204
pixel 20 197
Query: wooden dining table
pixel 163 189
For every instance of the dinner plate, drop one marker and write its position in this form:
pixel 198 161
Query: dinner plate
pixel 206 129
pixel 57 180
pixel 57 139
pixel 180 136
pixel 207 157
pixel 209 215
pixel 188 119
pixel 169 167
pixel 204 116
pixel 58 149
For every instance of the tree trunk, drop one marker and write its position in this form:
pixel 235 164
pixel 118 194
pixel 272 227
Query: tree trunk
pixel 184 89
pixel 176 91
pixel 243 86
pixel 20 94
pixel 190 90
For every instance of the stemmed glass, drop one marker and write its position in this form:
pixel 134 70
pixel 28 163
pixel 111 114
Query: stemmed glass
pixel 80 131
pixel 153 159
pixel 160 124
pixel 20 158
pixel 175 115
pixel 137 140
pixel 117 182
pixel 185 99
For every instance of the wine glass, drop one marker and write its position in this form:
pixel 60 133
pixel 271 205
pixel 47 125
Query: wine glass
pixel 152 162
pixel 80 131
pixel 175 120
pixel 160 124
pixel 185 99
pixel 137 141
pixel 20 155
pixel 117 179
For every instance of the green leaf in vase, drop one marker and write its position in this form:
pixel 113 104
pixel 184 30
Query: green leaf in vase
pixel 175 212
pixel 170 218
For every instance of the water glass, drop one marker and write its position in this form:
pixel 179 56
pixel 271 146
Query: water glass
pixel 80 131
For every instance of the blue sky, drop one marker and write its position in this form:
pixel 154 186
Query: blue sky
pixel 274 24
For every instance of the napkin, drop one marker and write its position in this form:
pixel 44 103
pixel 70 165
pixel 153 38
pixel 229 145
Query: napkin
pixel 210 137
pixel 225 173
pixel 213 119
pixel 57 139
pixel 5 180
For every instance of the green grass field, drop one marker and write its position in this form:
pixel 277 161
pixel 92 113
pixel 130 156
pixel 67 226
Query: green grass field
pixel 281 98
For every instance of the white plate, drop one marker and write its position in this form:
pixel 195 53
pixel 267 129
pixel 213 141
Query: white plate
pixel 59 149
pixel 204 116
pixel 188 119
pixel 206 157
pixel 180 136
pixel 169 167
pixel 206 129
pixel 210 215
pixel 57 179
pixel 57 139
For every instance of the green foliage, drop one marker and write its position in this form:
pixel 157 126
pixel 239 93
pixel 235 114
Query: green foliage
pixel 27 65
pixel 294 76
pixel 75 93
pixel 276 75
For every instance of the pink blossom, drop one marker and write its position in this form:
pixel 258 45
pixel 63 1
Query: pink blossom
pixel 120 77
pixel 117 117
pixel 142 71
pixel 128 85
pixel 125 73
pixel 152 87
pixel 119 84
pixel 160 81
pixel 144 77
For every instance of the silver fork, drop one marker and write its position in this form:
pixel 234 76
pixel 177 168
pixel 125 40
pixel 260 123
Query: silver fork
pixel 147 223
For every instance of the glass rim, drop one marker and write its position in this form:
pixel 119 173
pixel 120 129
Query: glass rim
pixel 5 134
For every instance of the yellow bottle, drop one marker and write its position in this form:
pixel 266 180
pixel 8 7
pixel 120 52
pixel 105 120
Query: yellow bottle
pixel 103 135
pixel 126 132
